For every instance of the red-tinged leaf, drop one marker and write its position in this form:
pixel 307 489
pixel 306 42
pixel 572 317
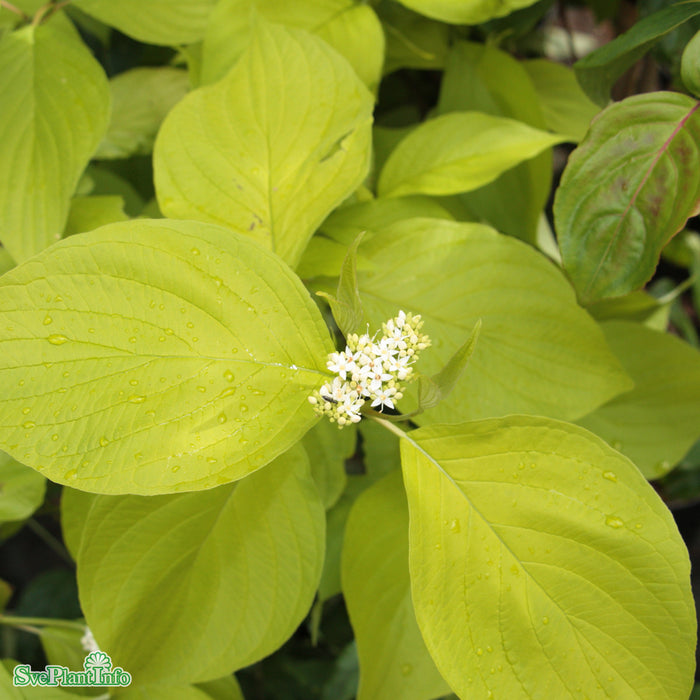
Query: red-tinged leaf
pixel 628 188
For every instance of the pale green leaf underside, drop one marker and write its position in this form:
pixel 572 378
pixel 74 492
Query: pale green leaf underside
pixel 350 27
pixel 459 152
pixel 21 489
pixel 538 351
pixel 224 575
pixel 466 11
pixel 273 147
pixel 394 662
pixel 544 565
pixel 55 108
pixel 140 100
pixel 167 22
pixel 657 422
pixel 156 356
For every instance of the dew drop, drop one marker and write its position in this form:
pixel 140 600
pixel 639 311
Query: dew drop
pixel 133 382
pixel 168 331
pixel 195 339
pixel 132 339
pixel 21 382
pixel 662 467
pixel 201 388
pixel 26 410
pixel 137 398
pixel 257 392
pixel 438 546
pixel 489 649
pixel 48 321
pixel 190 324
pixel 455 526
pixel 211 460
pixel 195 251
pixel 614 522
pixel 244 408
pixel 57 339
pixel 70 474
pixel 161 339
pixel 616 445
pixel 515 570
pixel 228 375
pixel 479 652
pixel 230 391
pixel 54 437
pixel 104 441
pixel 406 669
pixel 221 418
pixel 91 330
pixel 610 476
pixel 175 468
pixel 29 425
pixel 545 620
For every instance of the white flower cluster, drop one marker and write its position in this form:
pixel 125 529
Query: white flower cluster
pixel 371 370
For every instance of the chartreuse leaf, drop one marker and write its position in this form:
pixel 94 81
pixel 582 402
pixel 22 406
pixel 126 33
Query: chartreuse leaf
pixel 657 422
pixel 627 189
pixel 538 351
pixel 543 564
pixel 166 22
pixel 458 152
pixel 328 448
pixel 346 305
pixel 225 574
pixel 566 108
pixel 9 692
pixel 221 689
pixel 350 27
pixel 273 147
pixel 225 688
pixel 432 390
pixel 466 11
pixel 92 211
pixel 156 356
pixel 140 100
pixel 21 489
pixel 56 109
pixel 412 40
pixel 598 71
pixel 394 662
pixel 483 78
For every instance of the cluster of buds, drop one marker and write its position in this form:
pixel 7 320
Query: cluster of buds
pixel 371 370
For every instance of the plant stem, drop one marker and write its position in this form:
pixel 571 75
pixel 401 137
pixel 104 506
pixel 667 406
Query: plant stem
pixel 391 427
pixel 19 621
pixel 9 6
pixel 50 541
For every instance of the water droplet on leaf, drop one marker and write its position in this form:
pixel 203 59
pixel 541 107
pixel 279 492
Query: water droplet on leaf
pixel 57 339
pixel 614 522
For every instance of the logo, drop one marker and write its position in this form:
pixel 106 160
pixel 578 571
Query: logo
pixel 97 671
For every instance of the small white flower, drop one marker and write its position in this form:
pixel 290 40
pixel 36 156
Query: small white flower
pixel 341 362
pixel 383 398
pixel 88 641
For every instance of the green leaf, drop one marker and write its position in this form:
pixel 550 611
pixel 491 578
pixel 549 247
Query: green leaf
pixel 350 27
pixel 432 390
pixel 657 422
pixel 637 306
pixel 9 692
pixel 598 71
pixel 541 553
pixel 166 22
pixel 55 110
pixel 328 448
pixel 5 593
pixel 165 691
pixel 394 662
pixel 538 351
pixel 90 212
pixel 273 147
pixel 466 11
pixel 226 688
pixel 140 100
pixel 483 78
pixel 346 305
pixel 690 66
pixel 21 489
pixel 412 41
pixel 156 356
pixel 626 190
pixel 62 646
pixel 566 108
pixel 459 152
pixel 225 574
pixel 75 506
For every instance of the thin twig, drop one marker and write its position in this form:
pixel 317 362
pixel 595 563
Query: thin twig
pixel 9 6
